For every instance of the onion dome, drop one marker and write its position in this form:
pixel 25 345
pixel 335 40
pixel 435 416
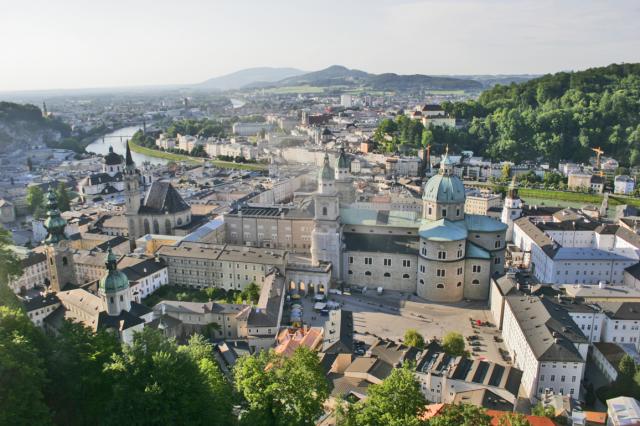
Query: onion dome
pixel 54 223
pixel 112 159
pixel 113 281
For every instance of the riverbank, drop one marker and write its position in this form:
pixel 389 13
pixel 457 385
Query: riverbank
pixel 194 160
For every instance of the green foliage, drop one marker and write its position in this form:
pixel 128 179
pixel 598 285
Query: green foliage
pixel 281 391
pixel 513 419
pixel 143 139
pixel 203 128
pixel 10 266
pixel 453 344
pixel 542 411
pixel 251 293
pixel 461 415
pixel 35 201
pixel 63 197
pixel 413 338
pixel 154 382
pixel 22 373
pixel 396 401
pixel 75 362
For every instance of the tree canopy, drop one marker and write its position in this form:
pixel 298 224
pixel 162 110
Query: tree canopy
pixel 413 338
pixel 453 344
pixel 281 391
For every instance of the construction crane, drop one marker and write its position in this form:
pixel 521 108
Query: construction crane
pixel 598 152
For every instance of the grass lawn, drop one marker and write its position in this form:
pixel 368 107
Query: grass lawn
pixel 179 157
pixel 560 195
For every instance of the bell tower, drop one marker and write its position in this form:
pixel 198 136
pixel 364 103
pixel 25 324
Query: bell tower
pixel 114 287
pixel 512 208
pixel 132 198
pixel 58 251
pixel 326 237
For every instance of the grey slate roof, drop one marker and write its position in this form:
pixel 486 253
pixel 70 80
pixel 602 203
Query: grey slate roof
pixel 41 302
pixel 548 329
pixel 621 310
pixel 163 198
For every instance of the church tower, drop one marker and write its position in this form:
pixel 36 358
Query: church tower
pixel 512 209
pixel 59 253
pixel 344 184
pixel 114 288
pixel 326 237
pixel 132 198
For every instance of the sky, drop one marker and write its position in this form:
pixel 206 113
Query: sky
pixel 89 43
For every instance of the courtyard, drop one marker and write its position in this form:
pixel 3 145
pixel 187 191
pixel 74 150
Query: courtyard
pixel 389 315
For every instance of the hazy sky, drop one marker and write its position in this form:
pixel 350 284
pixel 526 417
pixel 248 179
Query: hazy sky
pixel 48 44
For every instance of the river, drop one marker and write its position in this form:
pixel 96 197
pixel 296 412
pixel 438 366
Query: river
pixel 117 139
pixel 237 103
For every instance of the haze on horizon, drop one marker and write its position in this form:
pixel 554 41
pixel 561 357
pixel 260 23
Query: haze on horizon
pixel 80 44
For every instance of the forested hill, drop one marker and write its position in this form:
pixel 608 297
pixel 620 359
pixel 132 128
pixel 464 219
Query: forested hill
pixel 24 125
pixel 555 117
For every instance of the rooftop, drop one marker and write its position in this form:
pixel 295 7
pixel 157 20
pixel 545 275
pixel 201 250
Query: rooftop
pixel 393 218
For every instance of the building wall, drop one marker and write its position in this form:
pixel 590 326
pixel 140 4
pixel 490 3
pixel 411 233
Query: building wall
pixel 604 365
pixel 477 274
pixel 290 234
pixel 147 285
pixel 401 270
pixel 621 331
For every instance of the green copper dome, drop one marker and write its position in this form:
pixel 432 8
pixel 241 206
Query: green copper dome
pixel 326 173
pixel 445 187
pixel 343 161
pixel 113 281
pixel 54 223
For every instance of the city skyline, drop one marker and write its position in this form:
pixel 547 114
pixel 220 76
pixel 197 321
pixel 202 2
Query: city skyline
pixel 81 45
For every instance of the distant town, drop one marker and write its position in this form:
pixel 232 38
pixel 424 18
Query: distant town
pixel 457 242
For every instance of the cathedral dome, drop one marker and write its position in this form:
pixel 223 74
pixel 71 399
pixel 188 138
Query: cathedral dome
pixel 445 187
pixel 112 159
pixel 113 281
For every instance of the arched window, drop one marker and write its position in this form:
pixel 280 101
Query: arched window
pixel 439 285
pixel 350 272
pixel 368 273
pixel 324 211
pixel 421 281
pixel 405 275
pixel 147 229
pixel 156 226
pixel 387 275
pixel 179 221
pixel 167 226
pixel 459 284
pixel 65 262
pixel 475 282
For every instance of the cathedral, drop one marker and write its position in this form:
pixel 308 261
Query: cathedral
pixel 441 254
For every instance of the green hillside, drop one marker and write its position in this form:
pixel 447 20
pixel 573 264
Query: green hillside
pixel 554 117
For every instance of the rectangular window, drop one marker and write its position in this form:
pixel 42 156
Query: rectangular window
pixel 387 262
pixel 350 259
pixel 406 263
pixel 442 255
pixel 440 272
pixel 367 261
pixel 476 268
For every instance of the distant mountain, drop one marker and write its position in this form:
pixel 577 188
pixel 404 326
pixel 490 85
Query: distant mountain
pixel 504 79
pixel 241 78
pixel 338 75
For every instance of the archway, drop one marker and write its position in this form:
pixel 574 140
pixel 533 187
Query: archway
pixel 302 287
pixel 322 289
pixel 156 226
pixel 167 227
pixel 312 289
pixel 147 228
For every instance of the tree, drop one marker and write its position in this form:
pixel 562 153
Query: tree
pixel 282 391
pixel 251 293
pixel 453 344
pixel 413 338
pixel 627 370
pixel 22 373
pixel 461 415
pixel 156 383
pixel 10 267
pixel 398 400
pixel 513 419
pixel 506 172
pixel 75 362
pixel 63 198
pixel 542 411
pixel 35 201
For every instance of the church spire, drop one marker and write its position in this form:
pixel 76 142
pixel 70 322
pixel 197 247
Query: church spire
pixel 512 192
pixel 129 159
pixel 54 223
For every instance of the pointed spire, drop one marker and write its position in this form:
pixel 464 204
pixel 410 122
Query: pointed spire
pixel 512 191
pixel 129 159
pixel 54 223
